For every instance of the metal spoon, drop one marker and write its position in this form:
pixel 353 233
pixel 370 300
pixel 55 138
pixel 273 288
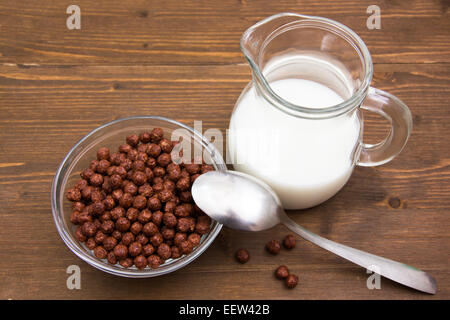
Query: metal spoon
pixel 242 202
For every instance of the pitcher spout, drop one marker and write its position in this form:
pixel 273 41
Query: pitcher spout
pixel 254 38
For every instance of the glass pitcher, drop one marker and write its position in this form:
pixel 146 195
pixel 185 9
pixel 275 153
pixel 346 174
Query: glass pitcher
pixel 298 125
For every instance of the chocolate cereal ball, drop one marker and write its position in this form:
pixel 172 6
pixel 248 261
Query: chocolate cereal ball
pixel 156 135
pixel 103 154
pixel 194 238
pixel 203 224
pixel 150 229
pixel 134 249
pixel 183 225
pixel 166 145
pixel 121 251
pixel 132 140
pixel 164 251
pixel 289 241
pixel 89 229
pixel 107 226
pixel 157 217
pixel 144 137
pixel 116 234
pixel 126 262
pixel 148 250
pixel 102 166
pixel 159 171
pixel 140 262
pixel 122 224
pixel 90 244
pixel 140 202
pixel 154 204
pixel 157 239
pixel 145 216
pixel 130 188
pixel 126 201
pixel 175 252
pixel 73 194
pixel 186 247
pixel 183 184
pixel 127 238
pixel 179 238
pixel 109 243
pixel 132 214
pixel 163 159
pixel 141 239
pixel 79 235
pixel 100 237
pixel 78 206
pixel 291 281
pixel 136 227
pixel 169 220
pixel 282 272
pixel 96 179
pixel 145 190
pixel 111 257
pixel 168 233
pixel 154 151
pixel 154 261
pixel 273 246
pixel 100 252
pixel 242 255
pixel 139 178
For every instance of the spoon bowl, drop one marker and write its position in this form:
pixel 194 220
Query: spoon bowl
pixel 256 208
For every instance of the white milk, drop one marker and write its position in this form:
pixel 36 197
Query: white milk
pixel 305 161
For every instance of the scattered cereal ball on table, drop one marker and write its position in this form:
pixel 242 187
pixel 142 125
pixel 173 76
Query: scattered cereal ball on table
pixel 242 256
pixel 282 272
pixel 289 241
pixel 273 246
pixel 291 281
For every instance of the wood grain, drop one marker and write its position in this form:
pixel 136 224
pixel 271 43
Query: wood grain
pixel 204 32
pixel 56 86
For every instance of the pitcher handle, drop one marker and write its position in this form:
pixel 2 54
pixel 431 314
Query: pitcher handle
pixel 399 116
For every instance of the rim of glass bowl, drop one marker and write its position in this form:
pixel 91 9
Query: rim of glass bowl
pixel 57 199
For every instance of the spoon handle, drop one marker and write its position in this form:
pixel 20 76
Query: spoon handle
pixel 396 271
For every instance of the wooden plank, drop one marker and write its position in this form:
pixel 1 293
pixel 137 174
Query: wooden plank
pixel 204 32
pixel 399 210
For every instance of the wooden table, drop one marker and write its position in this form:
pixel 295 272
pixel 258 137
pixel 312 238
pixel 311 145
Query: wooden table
pixel 181 59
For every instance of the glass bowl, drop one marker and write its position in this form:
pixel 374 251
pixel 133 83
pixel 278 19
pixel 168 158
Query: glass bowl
pixel 112 135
